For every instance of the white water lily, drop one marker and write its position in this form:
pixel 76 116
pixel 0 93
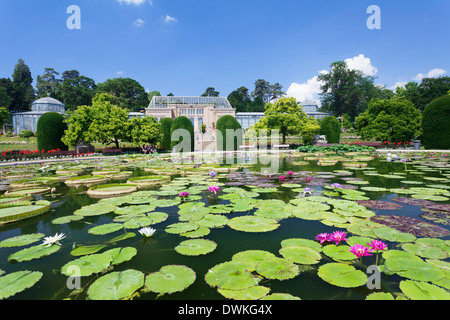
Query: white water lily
pixel 53 239
pixel 147 232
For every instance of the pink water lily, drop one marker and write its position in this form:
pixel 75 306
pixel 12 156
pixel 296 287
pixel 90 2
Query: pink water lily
pixel 308 179
pixel 338 236
pixel 214 189
pixel 360 250
pixel 377 245
pixel 281 178
pixel 322 237
pixel 290 173
pixel 184 194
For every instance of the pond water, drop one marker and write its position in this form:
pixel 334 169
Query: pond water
pixel 158 251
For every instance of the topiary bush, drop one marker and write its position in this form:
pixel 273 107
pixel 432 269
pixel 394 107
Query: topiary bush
pixel 182 122
pixel 331 127
pixel 224 123
pixel 164 129
pixel 50 129
pixel 436 124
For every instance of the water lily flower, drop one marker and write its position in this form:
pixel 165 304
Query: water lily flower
pixel 338 236
pixel 281 178
pixel 377 245
pixel 212 174
pixel 184 195
pixel 360 250
pixel 308 179
pixel 53 239
pixel 322 237
pixel 404 160
pixel 337 185
pixel 290 173
pixel 307 191
pixel 214 189
pixel 147 232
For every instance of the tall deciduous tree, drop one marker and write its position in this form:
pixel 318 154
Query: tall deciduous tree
pixel 288 117
pixel 126 93
pixel 395 119
pixel 75 90
pixel 143 130
pixel 23 92
pixel 47 85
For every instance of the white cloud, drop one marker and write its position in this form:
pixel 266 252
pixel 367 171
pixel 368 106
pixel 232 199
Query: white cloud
pixel 134 2
pixel 432 74
pixel 400 84
pixel 307 90
pixel 139 23
pixel 119 73
pixel 362 64
pixel 169 19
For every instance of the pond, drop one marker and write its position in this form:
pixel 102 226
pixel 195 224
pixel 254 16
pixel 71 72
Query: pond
pixel 254 239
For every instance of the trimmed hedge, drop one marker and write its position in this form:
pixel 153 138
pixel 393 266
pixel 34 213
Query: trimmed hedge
pixel 164 129
pixel 436 124
pixel 182 122
pixel 331 127
pixel 224 123
pixel 50 129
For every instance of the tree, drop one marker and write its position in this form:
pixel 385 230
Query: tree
pixel 288 117
pixel 164 129
pixel 276 91
pixel 5 116
pixel 75 90
pixel 126 93
pixel 211 92
pixel 230 140
pixel 102 122
pixel 47 85
pixel 239 101
pixel 347 91
pixel 49 131
pixel 395 119
pixel 262 90
pixel 22 89
pixel 182 123
pixel 153 94
pixel 143 130
pixel 432 88
pixel 331 127
pixel 436 124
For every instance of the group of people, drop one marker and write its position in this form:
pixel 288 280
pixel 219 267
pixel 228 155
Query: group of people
pixel 150 149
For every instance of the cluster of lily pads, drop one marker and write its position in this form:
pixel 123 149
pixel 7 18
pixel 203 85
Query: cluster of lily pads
pixel 235 198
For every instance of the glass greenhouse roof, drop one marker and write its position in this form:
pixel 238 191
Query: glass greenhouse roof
pixel 164 102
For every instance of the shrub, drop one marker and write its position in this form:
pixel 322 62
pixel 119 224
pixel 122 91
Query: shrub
pixel 224 123
pixel 436 124
pixel 182 122
pixel 164 129
pixel 26 134
pixel 50 129
pixel 331 127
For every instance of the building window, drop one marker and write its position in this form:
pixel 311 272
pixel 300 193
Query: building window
pixel 192 120
pixel 199 111
pixel 183 111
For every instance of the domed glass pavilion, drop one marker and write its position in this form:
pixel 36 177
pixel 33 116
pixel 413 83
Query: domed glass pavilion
pixel 28 120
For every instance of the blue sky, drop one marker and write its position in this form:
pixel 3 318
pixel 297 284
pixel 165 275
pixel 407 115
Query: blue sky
pixel 185 46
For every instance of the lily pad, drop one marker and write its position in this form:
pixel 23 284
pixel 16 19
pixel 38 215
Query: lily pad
pixel 119 285
pixel 16 282
pixel 418 290
pixel 21 240
pixel 170 279
pixel 338 253
pixel 301 255
pixel 277 268
pixel 252 293
pixel 196 247
pixel 95 210
pixel 212 221
pixel 87 265
pixel 380 204
pixel 411 201
pixel 86 250
pixel 253 224
pixel 232 275
pixel 105 229
pixel 342 275
pixel 410 225
pixel 425 250
pixel 181 227
pixel 437 216
pixel 33 253
pixel 121 254
pixel 252 256
pixel 67 219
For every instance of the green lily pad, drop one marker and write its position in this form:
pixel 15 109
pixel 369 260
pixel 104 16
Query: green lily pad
pixel 338 253
pixel 425 250
pixel 21 240
pixel 119 285
pixel 181 227
pixel 252 257
pixel 121 255
pixel 253 224
pixel 170 279
pixel 411 225
pixel 232 275
pixel 277 268
pixel 252 293
pixel 342 275
pixel 303 243
pixel 280 296
pixel 95 210
pixel 393 235
pixel 417 290
pixel 86 250
pixel 196 247
pixel 143 208
pixel 87 265
pixel 16 282
pixel 198 233
pixel 301 255
pixel 380 296
pixel 105 229
pixel 33 253
pixel 67 219
pixel 213 221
